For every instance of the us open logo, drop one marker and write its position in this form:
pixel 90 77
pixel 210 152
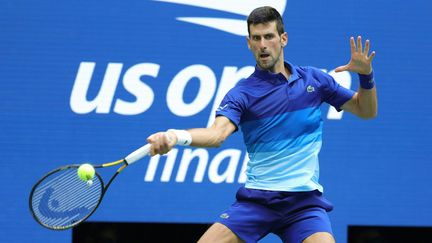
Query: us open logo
pixel 230 25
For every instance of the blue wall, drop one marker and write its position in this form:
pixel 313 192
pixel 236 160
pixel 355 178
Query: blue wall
pixel 162 71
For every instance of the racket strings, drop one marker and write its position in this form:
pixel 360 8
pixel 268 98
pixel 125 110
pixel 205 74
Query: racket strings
pixel 62 199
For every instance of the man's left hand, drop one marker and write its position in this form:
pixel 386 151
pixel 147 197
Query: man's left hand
pixel 361 61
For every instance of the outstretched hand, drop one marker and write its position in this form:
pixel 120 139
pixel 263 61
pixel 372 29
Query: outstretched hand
pixel 361 61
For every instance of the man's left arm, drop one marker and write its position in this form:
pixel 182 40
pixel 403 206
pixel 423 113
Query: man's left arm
pixel 364 102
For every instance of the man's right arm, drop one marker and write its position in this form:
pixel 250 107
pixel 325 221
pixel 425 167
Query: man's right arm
pixel 213 136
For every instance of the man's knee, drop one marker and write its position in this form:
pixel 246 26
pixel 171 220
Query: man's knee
pixel 320 237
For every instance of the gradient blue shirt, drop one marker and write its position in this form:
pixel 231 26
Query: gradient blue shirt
pixel 282 126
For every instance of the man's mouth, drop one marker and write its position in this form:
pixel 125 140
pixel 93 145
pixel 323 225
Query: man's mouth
pixel 264 55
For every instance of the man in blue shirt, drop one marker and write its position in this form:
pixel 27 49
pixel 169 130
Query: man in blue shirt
pixel 277 109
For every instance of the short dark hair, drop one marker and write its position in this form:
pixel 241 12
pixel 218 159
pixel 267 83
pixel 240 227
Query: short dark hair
pixel 263 15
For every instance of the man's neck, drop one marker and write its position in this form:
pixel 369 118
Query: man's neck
pixel 286 72
pixel 281 68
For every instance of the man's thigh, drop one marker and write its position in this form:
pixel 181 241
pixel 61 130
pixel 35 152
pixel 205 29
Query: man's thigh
pixel 306 226
pixel 219 233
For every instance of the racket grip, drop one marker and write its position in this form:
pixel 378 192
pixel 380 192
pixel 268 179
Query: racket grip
pixel 138 154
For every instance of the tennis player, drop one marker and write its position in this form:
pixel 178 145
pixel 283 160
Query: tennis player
pixel 277 109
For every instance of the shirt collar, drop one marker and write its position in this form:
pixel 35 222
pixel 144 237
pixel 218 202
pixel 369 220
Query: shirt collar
pixel 277 77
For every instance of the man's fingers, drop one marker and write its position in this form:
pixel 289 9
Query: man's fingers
pixel 372 55
pixel 150 140
pixel 341 68
pixel 352 45
pixel 162 143
pixel 367 47
pixel 155 142
pixel 359 44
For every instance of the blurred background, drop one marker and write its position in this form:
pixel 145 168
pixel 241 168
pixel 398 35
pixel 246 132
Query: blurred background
pixel 88 81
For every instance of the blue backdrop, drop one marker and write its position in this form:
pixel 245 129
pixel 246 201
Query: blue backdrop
pixel 85 81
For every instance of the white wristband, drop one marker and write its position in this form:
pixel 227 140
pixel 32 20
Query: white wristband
pixel 184 138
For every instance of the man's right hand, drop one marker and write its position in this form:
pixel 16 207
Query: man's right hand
pixel 161 142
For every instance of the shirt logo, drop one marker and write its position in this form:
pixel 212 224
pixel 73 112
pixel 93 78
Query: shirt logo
pixel 310 89
pixel 224 216
pixel 230 25
pixel 222 107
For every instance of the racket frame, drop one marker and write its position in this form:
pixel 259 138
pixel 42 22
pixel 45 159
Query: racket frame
pixel 129 159
pixel 103 186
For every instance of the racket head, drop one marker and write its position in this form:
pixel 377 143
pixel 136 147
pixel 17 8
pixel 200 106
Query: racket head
pixel 61 200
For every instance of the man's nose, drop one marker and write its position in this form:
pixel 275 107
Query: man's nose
pixel 262 44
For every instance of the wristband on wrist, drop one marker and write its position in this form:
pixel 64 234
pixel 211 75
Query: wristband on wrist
pixel 184 138
pixel 367 80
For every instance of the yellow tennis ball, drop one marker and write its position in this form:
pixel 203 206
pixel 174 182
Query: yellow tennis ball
pixel 86 172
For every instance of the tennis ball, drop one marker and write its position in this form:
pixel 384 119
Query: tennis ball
pixel 86 172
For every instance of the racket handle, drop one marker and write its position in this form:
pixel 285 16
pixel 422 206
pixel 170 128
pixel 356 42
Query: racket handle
pixel 138 154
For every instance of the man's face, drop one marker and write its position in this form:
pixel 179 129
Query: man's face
pixel 266 45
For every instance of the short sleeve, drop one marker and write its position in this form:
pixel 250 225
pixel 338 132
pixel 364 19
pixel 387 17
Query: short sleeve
pixel 232 106
pixel 332 92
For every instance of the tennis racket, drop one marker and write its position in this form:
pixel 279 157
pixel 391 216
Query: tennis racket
pixel 61 200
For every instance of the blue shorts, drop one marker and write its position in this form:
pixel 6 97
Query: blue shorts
pixel 293 216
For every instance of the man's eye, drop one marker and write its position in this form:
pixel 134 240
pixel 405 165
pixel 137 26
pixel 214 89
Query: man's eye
pixel 268 37
pixel 256 38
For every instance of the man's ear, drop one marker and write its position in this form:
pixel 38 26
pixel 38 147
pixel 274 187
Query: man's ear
pixel 284 39
pixel 248 42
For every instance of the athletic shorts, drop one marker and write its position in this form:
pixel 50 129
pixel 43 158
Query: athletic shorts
pixel 293 216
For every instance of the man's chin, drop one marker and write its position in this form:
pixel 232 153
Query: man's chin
pixel 265 66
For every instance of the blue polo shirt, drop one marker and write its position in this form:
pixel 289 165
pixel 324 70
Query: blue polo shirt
pixel 282 126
